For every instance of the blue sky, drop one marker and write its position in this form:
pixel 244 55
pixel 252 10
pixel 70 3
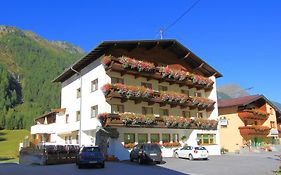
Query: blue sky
pixel 241 39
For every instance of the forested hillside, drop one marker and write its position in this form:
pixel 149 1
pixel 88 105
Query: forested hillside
pixel 28 64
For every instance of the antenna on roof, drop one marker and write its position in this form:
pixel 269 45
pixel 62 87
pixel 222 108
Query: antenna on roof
pixel 161 32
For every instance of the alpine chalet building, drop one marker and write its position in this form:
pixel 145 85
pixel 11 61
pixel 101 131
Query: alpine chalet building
pixel 127 92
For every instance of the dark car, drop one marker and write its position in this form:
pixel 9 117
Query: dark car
pixel 146 153
pixel 90 155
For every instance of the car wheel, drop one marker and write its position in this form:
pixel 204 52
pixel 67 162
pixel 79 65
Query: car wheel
pixel 177 155
pixel 102 165
pixel 205 159
pixel 140 160
pixel 158 162
pixel 79 166
pixel 190 157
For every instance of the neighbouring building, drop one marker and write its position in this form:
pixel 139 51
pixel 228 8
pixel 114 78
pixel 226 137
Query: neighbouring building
pixel 248 121
pixel 127 92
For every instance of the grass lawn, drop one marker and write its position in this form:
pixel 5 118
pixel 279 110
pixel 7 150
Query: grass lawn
pixel 9 143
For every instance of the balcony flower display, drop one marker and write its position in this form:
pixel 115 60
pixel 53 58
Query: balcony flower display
pixel 170 144
pixel 168 72
pixel 173 121
pixel 106 61
pixel 171 97
pixel 205 124
pixel 146 94
pixel 203 102
pixel 106 89
pixel 257 112
pixel 136 64
pixel 137 119
pixel 254 130
pixel 132 119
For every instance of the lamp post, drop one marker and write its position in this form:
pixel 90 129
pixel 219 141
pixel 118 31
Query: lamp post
pixel 80 124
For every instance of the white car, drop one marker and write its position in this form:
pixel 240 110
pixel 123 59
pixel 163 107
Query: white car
pixel 197 152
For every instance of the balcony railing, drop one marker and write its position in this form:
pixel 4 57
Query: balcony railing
pixel 253 114
pixel 151 121
pixel 254 130
pixel 126 65
pixel 139 94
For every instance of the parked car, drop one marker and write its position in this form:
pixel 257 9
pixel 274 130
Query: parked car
pixel 90 155
pixel 197 152
pixel 146 153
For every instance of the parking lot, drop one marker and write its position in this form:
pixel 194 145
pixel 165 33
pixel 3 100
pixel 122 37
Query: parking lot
pixel 251 164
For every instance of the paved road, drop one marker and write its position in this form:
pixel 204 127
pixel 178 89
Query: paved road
pixel 248 164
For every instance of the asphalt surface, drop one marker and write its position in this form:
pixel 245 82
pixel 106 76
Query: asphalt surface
pixel 248 164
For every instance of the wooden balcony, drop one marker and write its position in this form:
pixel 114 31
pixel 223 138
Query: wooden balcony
pixel 254 130
pixel 150 121
pixel 134 93
pixel 155 74
pixel 253 114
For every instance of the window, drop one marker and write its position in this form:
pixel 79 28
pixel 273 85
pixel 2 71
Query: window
pixel 117 80
pixel 175 138
pixel 199 115
pixel 186 114
pixel 94 111
pixel 117 108
pixel 271 111
pixel 66 118
pixel 272 124
pixel 166 138
pixel 162 88
pixel 142 138
pixel 78 93
pixel 70 140
pixel 163 112
pixel 206 139
pixel 198 94
pixel 129 138
pixel 77 139
pixel 147 110
pixel 94 85
pixel 154 138
pixel 186 92
pixel 147 85
pixel 77 115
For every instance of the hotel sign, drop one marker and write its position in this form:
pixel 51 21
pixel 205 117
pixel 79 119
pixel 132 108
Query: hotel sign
pixel 274 132
pixel 223 122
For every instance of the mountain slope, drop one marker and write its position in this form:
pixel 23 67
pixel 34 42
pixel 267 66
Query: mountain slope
pixel 28 64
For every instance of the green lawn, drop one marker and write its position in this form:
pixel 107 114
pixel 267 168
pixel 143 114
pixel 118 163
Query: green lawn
pixel 9 143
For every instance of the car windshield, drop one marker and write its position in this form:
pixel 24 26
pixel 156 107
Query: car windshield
pixel 91 149
pixel 200 148
pixel 153 147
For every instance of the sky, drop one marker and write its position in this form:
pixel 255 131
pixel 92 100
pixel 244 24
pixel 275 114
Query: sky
pixel 239 38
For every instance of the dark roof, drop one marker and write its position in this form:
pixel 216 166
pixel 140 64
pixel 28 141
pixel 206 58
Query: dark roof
pixel 243 101
pixel 54 111
pixel 173 45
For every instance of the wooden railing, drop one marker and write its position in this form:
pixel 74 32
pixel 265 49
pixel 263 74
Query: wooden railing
pixel 172 76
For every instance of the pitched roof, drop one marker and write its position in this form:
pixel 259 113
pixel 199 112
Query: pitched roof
pixel 181 51
pixel 243 101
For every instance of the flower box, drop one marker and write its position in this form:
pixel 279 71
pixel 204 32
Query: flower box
pixel 149 70
pixel 139 120
pixel 149 95
pixel 254 130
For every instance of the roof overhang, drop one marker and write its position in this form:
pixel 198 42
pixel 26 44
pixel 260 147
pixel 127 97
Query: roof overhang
pixel 181 51
pixel 255 98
